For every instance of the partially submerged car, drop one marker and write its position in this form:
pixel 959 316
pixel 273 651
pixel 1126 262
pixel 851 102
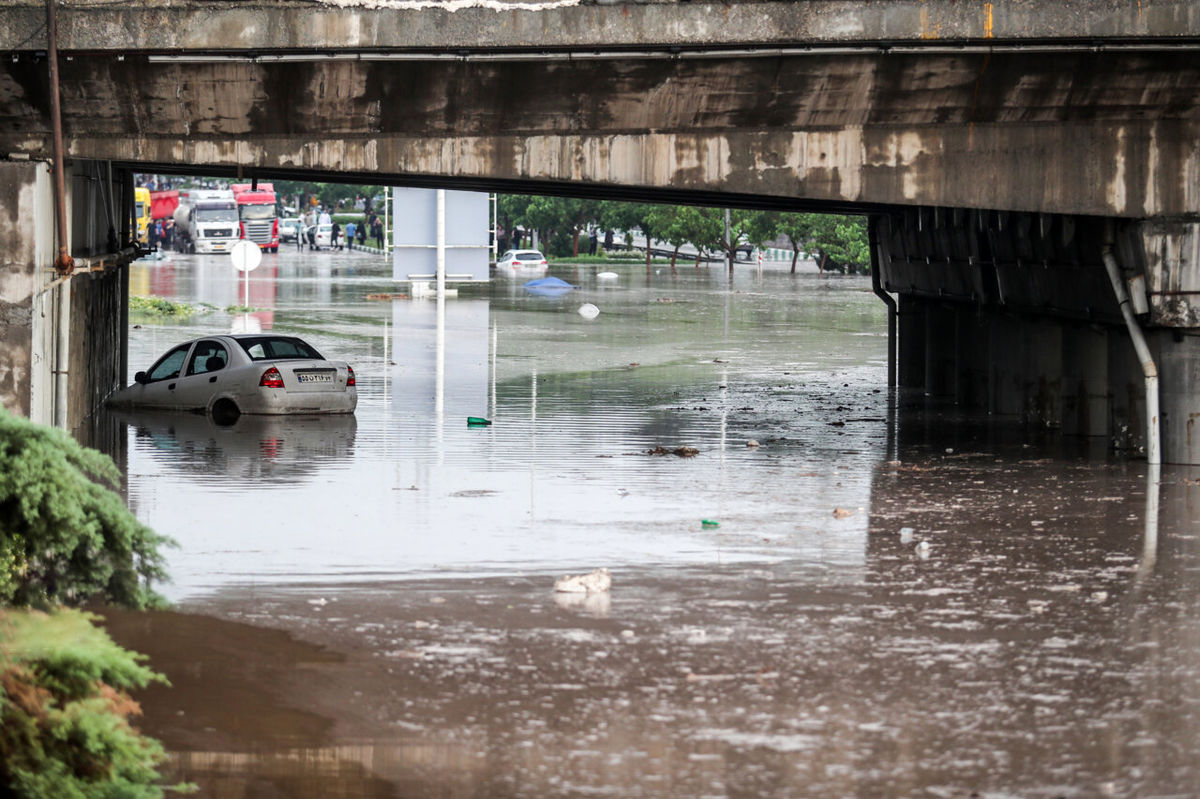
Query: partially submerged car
pixel 235 374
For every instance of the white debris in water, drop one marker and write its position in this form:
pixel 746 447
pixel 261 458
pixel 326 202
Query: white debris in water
pixel 588 311
pixel 453 5
pixel 906 535
pixel 593 582
pixel 923 549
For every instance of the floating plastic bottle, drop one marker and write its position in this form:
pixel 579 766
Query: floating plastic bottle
pixel 478 421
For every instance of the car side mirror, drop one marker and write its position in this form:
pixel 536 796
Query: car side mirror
pixel 141 378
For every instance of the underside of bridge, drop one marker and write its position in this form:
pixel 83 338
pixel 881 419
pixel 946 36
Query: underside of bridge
pixel 999 148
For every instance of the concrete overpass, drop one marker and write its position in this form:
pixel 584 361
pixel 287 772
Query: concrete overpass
pixel 998 145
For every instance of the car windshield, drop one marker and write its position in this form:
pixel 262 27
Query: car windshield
pixel 216 215
pixel 258 211
pixel 272 348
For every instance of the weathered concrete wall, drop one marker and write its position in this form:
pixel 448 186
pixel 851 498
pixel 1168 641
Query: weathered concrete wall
pixel 20 184
pixel 1113 133
pixel 29 312
pixel 334 24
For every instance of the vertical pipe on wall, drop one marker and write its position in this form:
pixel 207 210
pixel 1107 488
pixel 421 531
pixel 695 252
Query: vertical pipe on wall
pixel 877 287
pixel 63 263
pixel 62 353
pixel 1153 446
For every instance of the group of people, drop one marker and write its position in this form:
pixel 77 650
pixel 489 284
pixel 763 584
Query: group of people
pixel 160 233
pixel 372 228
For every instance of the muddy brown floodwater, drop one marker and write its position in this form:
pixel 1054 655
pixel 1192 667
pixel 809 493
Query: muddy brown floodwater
pixel 364 606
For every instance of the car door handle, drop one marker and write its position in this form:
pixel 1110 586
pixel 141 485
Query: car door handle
pixel 171 387
pixel 212 379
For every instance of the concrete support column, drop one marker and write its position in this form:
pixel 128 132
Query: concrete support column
pixel 911 346
pixel 1043 379
pixel 1178 357
pixel 940 332
pixel 1127 394
pixel 971 359
pixel 1085 400
pixel 24 225
pixel 1006 387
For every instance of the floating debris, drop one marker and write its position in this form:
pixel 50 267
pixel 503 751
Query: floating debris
pixel 923 550
pixel 588 311
pixel 906 535
pixel 752 443
pixel 842 513
pixel 682 452
pixel 592 582
pixel 478 421
pixel 709 523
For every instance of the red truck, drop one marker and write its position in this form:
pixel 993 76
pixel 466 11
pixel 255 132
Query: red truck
pixel 257 213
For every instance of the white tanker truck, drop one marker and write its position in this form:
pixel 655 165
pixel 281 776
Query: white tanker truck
pixel 206 221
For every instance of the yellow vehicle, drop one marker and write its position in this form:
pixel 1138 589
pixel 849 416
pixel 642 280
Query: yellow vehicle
pixel 141 198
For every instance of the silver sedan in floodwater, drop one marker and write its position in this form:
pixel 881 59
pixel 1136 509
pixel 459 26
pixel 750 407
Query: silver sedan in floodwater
pixel 230 375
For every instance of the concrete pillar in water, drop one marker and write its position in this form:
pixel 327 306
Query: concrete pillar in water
pixel 1043 378
pixel 971 359
pixel 911 347
pixel 1085 401
pixel 940 332
pixel 1006 387
pixel 1127 394
pixel 1178 357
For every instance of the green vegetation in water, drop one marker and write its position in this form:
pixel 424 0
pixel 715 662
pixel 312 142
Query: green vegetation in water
pixel 160 307
pixel 67 538
pixel 241 309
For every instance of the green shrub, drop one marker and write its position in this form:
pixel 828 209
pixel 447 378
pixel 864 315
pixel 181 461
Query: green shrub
pixel 64 712
pixel 64 536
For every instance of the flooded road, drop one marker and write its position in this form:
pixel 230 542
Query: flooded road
pixel 365 605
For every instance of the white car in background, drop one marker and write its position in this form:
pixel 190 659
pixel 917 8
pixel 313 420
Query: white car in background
pixel 322 235
pixel 521 263
pixel 231 375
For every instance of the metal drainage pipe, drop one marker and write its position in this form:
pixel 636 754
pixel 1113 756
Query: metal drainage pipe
pixel 1153 443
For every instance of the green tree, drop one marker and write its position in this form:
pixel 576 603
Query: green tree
pixel 64 536
pixel 840 243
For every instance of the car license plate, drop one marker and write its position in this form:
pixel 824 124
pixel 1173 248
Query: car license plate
pixel 314 378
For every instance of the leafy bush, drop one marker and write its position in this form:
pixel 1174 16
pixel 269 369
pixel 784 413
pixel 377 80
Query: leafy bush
pixel 64 536
pixel 64 711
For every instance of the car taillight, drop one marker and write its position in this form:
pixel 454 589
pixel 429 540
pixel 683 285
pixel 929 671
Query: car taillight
pixel 350 378
pixel 543 263
pixel 242 228
pixel 271 379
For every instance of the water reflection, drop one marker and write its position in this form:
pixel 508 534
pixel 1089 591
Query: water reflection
pixel 1029 655
pixel 260 449
pixel 1048 646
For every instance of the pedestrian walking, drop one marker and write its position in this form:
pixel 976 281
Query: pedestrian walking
pixel 334 233
pixel 377 230
pixel 361 230
pixel 350 226
pixel 593 240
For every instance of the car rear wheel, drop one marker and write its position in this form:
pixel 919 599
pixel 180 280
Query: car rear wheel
pixel 225 412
